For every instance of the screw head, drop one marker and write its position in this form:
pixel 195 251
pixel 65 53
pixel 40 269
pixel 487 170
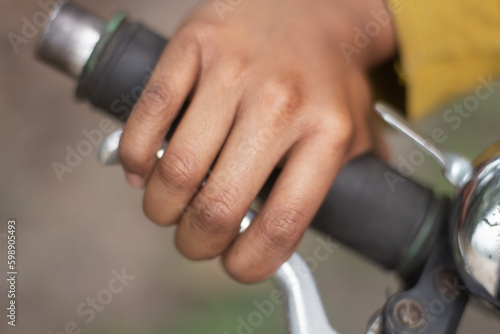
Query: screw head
pixel 409 313
pixel 446 283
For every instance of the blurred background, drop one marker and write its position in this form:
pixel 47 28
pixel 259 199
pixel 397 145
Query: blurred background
pixel 74 236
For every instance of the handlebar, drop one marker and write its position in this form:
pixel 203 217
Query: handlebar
pixel 381 214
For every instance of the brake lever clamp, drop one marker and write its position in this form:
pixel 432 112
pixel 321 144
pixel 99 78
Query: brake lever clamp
pixel 434 304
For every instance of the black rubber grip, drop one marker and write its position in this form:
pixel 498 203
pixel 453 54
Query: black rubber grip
pixel 376 211
pixel 363 210
pixel 121 68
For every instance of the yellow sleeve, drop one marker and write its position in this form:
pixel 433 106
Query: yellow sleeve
pixel 446 47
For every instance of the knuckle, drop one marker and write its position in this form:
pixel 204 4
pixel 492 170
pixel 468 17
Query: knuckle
pixel 155 99
pixel 233 74
pixel 285 97
pixel 215 212
pixel 186 40
pixel 345 129
pixel 201 38
pixel 337 129
pixel 179 169
pixel 198 34
pixel 283 226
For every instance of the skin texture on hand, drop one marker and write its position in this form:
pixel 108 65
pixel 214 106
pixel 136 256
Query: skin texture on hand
pixel 266 85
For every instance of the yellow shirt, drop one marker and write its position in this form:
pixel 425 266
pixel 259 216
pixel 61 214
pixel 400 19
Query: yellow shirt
pixel 446 46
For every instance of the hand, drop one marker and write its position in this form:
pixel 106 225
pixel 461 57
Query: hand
pixel 267 85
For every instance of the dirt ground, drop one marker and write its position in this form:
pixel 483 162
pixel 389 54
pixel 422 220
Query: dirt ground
pixel 77 236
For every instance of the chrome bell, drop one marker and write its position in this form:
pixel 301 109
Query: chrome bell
pixel 476 231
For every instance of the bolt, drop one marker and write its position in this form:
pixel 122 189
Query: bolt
pixel 409 313
pixel 446 281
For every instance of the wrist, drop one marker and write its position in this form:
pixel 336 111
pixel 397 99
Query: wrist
pixel 362 32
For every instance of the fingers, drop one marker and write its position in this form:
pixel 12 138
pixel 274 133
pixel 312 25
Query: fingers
pixel 192 150
pixel 246 130
pixel 299 191
pixel 250 154
pixel 157 107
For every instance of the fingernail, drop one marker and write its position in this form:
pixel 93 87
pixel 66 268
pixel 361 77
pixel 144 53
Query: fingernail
pixel 135 180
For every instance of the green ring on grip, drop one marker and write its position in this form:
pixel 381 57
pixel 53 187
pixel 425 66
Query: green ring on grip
pixel 109 30
pixel 429 226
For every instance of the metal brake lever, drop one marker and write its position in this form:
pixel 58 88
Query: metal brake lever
pixel 108 151
pixel 304 310
pixel 455 168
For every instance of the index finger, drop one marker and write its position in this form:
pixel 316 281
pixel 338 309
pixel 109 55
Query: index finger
pixel 160 102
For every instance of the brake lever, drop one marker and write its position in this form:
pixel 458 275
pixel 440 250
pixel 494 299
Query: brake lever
pixel 305 313
pixel 456 168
